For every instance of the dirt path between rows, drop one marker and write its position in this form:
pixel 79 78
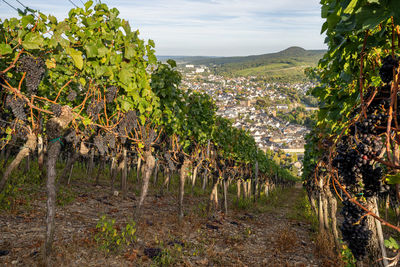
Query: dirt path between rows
pixel 271 234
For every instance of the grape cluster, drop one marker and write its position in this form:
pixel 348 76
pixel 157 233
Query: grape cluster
pixel 376 120
pixel 72 95
pixel 354 229
pixel 150 138
pixel 190 149
pixel 99 143
pixel 345 162
pixel 356 152
pixel 4 119
pixel 386 70
pixel 56 108
pixel 168 158
pixel 34 68
pixel 220 163
pixel 131 119
pixel 355 159
pixel 354 162
pixel 110 140
pixel 373 184
pixel 17 106
pixel 180 159
pixel 94 108
pixel 111 94
pixel 71 137
pixel 2 80
pixel 21 131
pixel 371 123
pixel 128 123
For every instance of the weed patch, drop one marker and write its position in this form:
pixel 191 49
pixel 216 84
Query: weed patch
pixel 111 237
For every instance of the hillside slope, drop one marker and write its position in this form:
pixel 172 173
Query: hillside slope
pixel 287 65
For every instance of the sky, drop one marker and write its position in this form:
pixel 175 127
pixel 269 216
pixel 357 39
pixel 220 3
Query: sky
pixel 208 27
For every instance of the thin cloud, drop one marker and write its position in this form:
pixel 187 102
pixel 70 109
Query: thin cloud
pixel 212 27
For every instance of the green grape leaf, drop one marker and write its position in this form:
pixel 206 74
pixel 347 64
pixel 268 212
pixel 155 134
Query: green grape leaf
pixel 53 19
pixel 76 57
pixel 350 8
pixel 151 43
pixel 33 40
pixel 172 63
pixel 91 50
pixel 125 104
pixel 391 243
pixel 5 49
pixel 130 51
pixel 88 4
pixel 9 130
pixel 102 50
pixel 152 59
pixel 86 121
pixel 393 179
pixel 27 20
pixel 370 17
pixel 125 76
pixel 376 80
pixel 82 81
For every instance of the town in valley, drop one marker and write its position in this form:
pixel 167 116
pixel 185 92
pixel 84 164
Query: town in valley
pixel 278 114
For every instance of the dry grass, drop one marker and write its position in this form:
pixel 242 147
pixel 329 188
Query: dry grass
pixel 325 251
pixel 286 239
pixel 244 238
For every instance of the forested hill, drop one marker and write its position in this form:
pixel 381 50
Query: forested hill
pixel 294 53
pixel 287 65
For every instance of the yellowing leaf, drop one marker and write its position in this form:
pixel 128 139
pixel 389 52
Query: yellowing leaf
pixel 51 63
pixel 82 81
pixel 86 121
pixel 76 57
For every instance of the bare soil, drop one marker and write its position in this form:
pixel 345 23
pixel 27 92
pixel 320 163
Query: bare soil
pixel 267 235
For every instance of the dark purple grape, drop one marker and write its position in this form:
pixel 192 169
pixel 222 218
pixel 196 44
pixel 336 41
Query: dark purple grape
pixel 56 108
pixel 111 94
pixel 386 71
pixel 72 95
pixel 17 106
pixel 35 69
pixel 354 229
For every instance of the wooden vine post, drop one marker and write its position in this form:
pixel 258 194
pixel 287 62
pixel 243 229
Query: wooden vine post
pixel 55 128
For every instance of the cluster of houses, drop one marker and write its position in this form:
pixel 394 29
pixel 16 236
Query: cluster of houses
pixel 269 132
pixel 236 99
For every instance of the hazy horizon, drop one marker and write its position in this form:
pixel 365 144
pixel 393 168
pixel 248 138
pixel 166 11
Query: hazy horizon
pixel 320 49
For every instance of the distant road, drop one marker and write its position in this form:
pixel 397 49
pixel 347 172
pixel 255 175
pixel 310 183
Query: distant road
pixel 293 150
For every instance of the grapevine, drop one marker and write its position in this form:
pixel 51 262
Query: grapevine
pixel 88 91
pixel 358 119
